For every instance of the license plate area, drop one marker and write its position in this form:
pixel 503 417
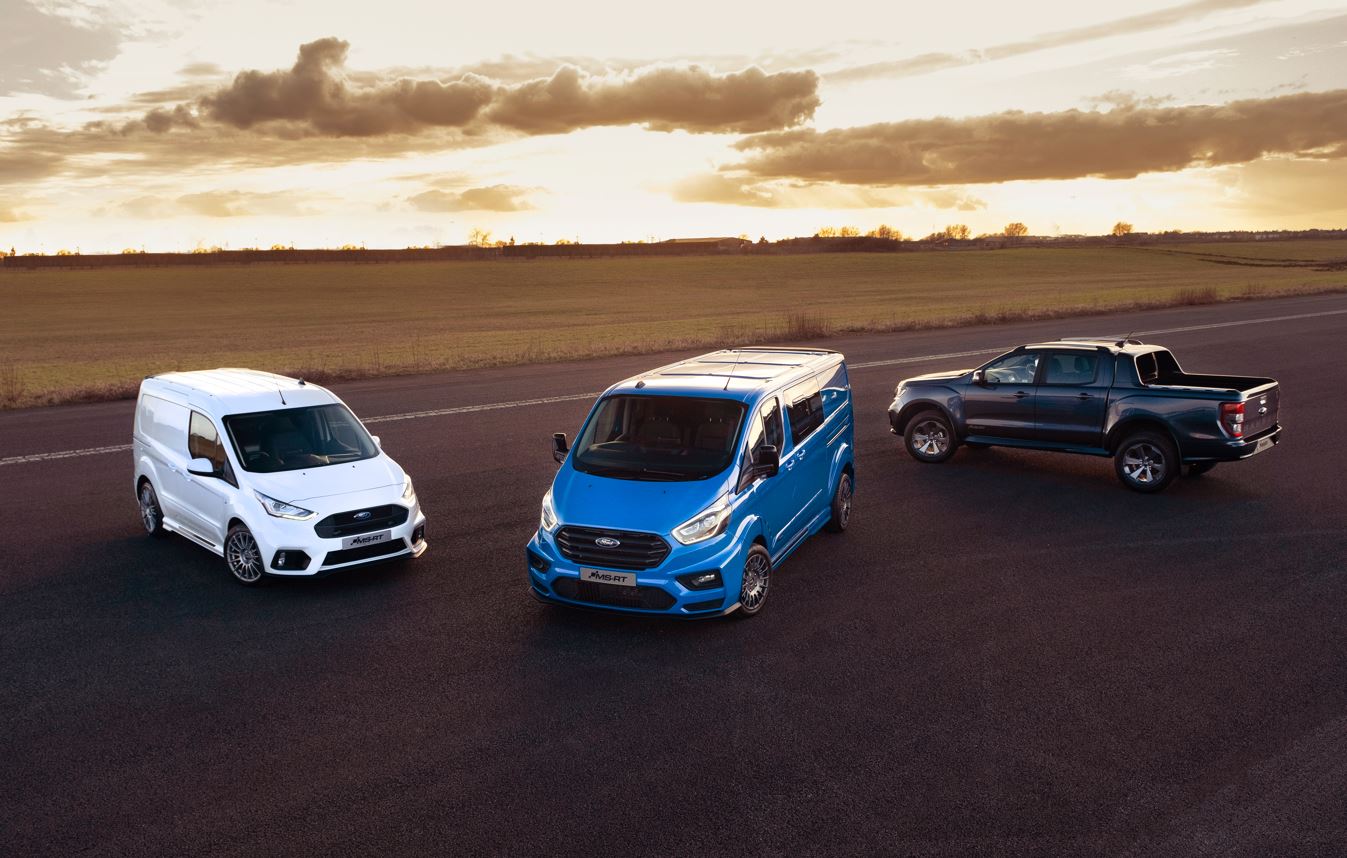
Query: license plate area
pixel 604 576
pixel 367 539
pixel 1264 444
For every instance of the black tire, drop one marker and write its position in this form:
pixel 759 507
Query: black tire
pixel 929 437
pixel 151 514
pixel 1146 461
pixel 841 516
pixel 243 557
pixel 1197 469
pixel 751 603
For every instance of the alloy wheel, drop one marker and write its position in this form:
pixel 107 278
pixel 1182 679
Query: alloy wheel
pixel 930 438
pixel 844 507
pixel 149 508
pixel 757 574
pixel 243 556
pixel 1143 463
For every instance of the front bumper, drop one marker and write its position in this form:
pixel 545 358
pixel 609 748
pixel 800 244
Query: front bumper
pixel 555 579
pixel 324 556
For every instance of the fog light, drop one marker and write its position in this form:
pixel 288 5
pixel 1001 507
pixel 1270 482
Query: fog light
pixel 290 559
pixel 537 562
pixel 280 559
pixel 700 580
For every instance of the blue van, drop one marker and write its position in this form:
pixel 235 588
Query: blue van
pixel 689 484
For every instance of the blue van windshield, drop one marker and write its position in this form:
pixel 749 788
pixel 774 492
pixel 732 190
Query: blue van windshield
pixel 659 438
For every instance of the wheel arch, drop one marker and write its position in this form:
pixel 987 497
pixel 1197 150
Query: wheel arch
pixel 1140 423
pixel 912 409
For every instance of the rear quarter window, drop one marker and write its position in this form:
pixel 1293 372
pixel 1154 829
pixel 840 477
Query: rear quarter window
pixel 163 422
pixel 805 409
pixel 834 387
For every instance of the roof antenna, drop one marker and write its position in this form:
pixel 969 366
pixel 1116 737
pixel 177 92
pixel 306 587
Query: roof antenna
pixel 1125 340
pixel 738 353
pixel 281 394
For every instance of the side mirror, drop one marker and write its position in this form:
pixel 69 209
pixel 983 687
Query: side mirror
pixel 377 442
pixel 980 378
pixel 560 447
pixel 768 461
pixel 201 467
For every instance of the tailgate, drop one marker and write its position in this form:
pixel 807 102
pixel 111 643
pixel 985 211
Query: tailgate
pixel 1260 410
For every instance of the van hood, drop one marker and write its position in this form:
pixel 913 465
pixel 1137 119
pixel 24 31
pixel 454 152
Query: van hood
pixel 938 376
pixel 313 483
pixel 645 505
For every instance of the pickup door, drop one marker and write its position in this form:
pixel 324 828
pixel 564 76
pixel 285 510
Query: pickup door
pixel 1073 396
pixel 1003 406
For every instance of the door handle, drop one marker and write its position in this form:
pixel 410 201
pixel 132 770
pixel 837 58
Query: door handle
pixel 1019 394
pixel 1084 396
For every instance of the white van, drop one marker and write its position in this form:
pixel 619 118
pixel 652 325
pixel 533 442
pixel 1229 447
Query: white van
pixel 275 475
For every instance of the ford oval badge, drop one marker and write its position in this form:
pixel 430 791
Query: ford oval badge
pixel 607 542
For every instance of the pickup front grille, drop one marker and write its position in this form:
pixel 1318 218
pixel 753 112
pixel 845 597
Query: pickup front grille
pixel 632 551
pixel 613 595
pixel 342 524
pixel 1256 423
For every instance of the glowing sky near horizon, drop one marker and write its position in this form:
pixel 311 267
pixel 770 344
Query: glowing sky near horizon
pixel 171 125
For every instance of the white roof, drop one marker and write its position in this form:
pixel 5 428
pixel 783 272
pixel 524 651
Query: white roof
pixel 225 391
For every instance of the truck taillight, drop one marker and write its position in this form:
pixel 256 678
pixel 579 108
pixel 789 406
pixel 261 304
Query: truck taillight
pixel 1232 418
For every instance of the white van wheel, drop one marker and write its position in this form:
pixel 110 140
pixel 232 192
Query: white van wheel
pixel 243 556
pixel 150 514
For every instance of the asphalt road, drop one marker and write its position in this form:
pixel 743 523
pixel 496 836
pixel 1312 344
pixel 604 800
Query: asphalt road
pixel 1007 654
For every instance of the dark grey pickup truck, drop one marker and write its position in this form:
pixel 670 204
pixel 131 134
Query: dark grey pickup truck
pixel 1123 399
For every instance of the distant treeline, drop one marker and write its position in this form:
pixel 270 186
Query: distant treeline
pixel 707 247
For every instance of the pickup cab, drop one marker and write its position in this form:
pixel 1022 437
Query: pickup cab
pixel 1122 399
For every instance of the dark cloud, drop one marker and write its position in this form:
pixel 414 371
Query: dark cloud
pixel 495 198
pixel 719 188
pixel 1146 21
pixel 1002 147
pixel 318 96
pixel 663 99
pixel 201 70
pixel 48 54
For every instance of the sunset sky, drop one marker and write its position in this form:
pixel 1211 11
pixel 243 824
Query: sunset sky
pixel 171 124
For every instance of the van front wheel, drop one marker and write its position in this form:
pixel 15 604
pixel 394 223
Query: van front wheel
pixel 243 556
pixel 757 577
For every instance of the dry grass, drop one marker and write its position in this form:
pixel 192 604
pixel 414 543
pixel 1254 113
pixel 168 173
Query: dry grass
pixel 79 335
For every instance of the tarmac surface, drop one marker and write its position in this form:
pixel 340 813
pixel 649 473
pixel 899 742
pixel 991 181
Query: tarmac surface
pixel 1007 654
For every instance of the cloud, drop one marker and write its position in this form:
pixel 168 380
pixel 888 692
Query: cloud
pixel 662 99
pixel 495 198
pixel 1146 21
pixel 317 96
pixel 217 204
pixel 12 215
pixel 1121 143
pixel 47 53
pixel 741 191
pixel 1178 65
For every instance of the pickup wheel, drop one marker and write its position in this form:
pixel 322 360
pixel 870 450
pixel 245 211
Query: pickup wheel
pixel 929 437
pixel 1146 461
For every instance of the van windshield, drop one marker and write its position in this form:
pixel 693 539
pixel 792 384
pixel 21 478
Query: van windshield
pixel 659 438
pixel 294 438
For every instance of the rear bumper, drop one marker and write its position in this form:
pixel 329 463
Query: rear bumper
pixel 1234 449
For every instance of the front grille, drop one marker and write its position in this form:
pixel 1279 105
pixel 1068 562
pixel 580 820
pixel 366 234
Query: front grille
pixel 1255 423
pixel 645 598
pixel 634 551
pixel 342 524
pixel 365 552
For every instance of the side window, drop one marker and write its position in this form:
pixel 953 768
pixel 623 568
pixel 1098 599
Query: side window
pixel 835 389
pixel 203 442
pixel 774 435
pixel 765 430
pixel 805 410
pixel 1018 368
pixel 1071 368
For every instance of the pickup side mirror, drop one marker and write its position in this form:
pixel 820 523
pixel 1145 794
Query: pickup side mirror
pixel 560 447
pixel 768 461
pixel 202 467
pixel 980 377
pixel 377 442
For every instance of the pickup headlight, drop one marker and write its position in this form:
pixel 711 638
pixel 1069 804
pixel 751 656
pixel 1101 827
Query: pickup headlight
pixel 281 509
pixel 408 492
pixel 706 525
pixel 549 514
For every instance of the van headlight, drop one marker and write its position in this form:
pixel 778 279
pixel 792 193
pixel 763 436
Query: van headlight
pixel 706 525
pixel 549 514
pixel 281 509
pixel 408 492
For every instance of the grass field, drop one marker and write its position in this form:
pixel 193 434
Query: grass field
pixel 74 335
